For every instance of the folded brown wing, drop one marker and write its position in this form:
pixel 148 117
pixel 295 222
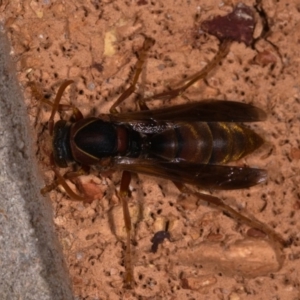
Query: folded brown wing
pixel 203 111
pixel 201 175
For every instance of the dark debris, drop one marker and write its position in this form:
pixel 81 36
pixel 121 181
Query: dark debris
pixel 236 26
pixel 158 238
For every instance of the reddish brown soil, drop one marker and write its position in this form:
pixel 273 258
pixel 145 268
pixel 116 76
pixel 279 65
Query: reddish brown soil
pixel 94 44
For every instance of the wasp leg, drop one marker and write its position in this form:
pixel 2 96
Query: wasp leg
pixel 56 106
pixel 61 180
pixel 226 209
pixel 221 54
pixel 126 176
pixel 124 194
pixel 148 43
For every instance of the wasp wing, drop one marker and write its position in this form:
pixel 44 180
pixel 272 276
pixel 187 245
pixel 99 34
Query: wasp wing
pixel 204 176
pixel 204 111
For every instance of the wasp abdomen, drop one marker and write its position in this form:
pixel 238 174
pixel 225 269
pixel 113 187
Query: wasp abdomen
pixel 202 142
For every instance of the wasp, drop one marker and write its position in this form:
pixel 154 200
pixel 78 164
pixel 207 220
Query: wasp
pixel 187 144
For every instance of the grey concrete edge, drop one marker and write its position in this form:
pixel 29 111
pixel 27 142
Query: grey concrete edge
pixel 31 262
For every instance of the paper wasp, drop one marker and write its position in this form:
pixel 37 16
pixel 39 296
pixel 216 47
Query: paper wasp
pixel 187 144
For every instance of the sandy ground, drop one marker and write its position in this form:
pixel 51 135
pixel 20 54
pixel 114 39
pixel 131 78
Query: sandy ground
pixel 209 256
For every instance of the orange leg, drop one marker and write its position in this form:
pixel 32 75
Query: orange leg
pixel 221 54
pixel 61 180
pixel 148 43
pixel 229 211
pixel 126 176
pixel 56 106
pixel 124 195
